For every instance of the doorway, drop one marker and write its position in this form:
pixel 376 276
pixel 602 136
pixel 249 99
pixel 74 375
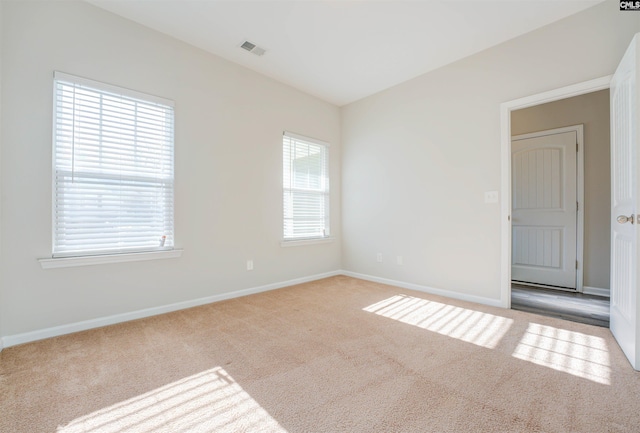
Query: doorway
pixel 583 264
pixel 507 109
pixel 560 178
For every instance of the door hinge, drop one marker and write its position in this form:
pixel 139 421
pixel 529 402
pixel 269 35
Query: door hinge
pixel 577 150
pixel 577 265
pixel 577 206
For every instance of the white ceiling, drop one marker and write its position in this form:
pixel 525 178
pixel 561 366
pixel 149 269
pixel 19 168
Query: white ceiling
pixel 340 50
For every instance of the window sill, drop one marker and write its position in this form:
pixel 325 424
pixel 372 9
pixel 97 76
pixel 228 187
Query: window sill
pixel 295 243
pixel 66 262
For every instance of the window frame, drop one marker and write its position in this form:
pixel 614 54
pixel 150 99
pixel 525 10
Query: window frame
pixel 325 193
pixel 134 253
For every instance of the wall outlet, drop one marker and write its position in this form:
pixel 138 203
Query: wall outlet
pixel 399 260
pixel 249 265
pixel 379 257
pixel 491 197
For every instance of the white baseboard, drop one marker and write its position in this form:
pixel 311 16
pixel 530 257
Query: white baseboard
pixel 27 337
pixel 596 291
pixel 426 289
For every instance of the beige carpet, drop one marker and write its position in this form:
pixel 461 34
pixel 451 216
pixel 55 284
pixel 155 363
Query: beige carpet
pixel 337 355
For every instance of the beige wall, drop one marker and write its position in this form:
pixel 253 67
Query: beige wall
pixel 418 158
pixel 228 155
pixel 591 110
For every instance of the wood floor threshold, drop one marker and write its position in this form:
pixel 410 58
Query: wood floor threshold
pixel 575 307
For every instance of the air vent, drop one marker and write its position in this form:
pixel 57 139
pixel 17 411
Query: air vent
pixel 248 45
pixel 252 48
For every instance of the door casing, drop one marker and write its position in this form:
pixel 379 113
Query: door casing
pixel 505 169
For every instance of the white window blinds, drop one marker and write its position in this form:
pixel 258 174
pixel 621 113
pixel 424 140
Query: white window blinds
pixel 113 169
pixel 305 187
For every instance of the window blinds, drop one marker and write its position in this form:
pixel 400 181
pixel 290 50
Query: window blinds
pixel 305 187
pixel 113 169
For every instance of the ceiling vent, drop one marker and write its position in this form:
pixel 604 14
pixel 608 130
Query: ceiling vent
pixel 252 48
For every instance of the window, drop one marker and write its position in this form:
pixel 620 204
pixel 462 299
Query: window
pixel 305 187
pixel 113 169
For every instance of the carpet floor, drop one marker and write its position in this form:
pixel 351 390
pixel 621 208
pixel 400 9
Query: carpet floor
pixel 335 355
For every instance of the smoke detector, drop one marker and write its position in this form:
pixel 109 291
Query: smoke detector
pixel 252 48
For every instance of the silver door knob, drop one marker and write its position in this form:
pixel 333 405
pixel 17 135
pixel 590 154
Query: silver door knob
pixel 625 219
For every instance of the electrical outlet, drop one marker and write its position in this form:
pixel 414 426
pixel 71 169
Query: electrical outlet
pixel 491 197
pixel 399 260
pixel 379 257
pixel 249 265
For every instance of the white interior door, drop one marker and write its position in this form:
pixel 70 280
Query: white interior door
pixel 544 214
pixel 624 196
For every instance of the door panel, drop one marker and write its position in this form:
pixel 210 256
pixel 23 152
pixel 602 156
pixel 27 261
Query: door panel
pixel 538 246
pixel 544 215
pixel 624 196
pixel 537 175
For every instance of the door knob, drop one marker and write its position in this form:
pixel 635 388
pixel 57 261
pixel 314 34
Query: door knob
pixel 625 219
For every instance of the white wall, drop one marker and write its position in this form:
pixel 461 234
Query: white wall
pixel 229 124
pixel 418 158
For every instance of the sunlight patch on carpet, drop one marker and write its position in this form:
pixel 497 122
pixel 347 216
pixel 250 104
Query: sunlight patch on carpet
pixel 210 401
pixel 581 355
pixel 481 329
